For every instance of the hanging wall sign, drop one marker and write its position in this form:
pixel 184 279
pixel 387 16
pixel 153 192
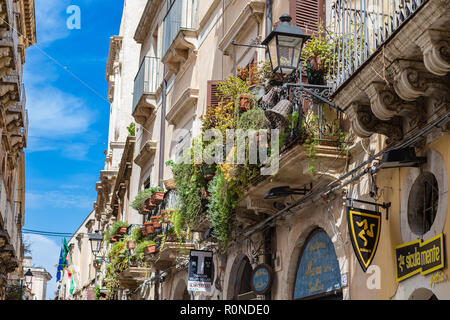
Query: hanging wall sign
pixel 200 270
pixel 419 257
pixel 261 279
pixel 364 227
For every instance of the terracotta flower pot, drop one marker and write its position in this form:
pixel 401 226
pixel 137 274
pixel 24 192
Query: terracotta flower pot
pixel 131 245
pixel 170 184
pixel 144 231
pixel 122 230
pixel 149 229
pixel 158 197
pixel 165 218
pixel 150 249
pixel 156 220
pixel 244 103
pixel 149 204
pixel 112 239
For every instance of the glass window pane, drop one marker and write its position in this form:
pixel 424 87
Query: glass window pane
pixel 273 53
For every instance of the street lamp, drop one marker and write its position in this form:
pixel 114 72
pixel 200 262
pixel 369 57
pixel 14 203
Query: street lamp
pixel 96 245
pixel 285 44
pixel 28 278
pixel 96 242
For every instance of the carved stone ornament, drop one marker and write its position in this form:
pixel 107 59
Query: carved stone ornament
pixel 436 51
pixel 364 124
pixel 412 80
pixel 385 103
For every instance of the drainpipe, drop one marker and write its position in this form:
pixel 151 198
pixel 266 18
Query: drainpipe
pixel 162 134
pixel 269 21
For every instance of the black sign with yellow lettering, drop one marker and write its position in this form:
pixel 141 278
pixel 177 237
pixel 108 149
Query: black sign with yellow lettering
pixel 419 257
pixel 364 228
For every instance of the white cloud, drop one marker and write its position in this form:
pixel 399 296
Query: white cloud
pixel 56 119
pixel 51 16
pixel 45 253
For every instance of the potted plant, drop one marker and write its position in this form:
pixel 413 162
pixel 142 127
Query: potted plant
pixel 319 55
pixel 156 221
pixel 149 228
pixel 244 103
pixel 150 248
pixel 131 244
pixel 139 202
pixel 157 195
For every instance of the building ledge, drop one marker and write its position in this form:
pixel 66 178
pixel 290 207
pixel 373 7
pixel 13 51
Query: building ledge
pixel 147 151
pixel 254 11
pixel 145 108
pixel 180 49
pixel 187 101
pixel 132 277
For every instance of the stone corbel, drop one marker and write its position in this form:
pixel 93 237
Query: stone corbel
pixel 364 123
pixel 436 51
pixel 385 103
pixel 411 80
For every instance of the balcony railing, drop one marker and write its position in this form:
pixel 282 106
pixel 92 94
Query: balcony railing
pixel 182 15
pixel 363 26
pixel 146 81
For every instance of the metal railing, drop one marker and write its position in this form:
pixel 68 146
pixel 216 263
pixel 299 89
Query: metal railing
pixel 181 15
pixel 146 81
pixel 361 27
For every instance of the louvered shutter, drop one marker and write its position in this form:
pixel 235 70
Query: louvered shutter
pixel 307 14
pixel 212 98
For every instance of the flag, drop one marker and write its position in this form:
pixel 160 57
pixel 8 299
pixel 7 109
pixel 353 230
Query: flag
pixel 72 283
pixel 58 273
pixel 62 265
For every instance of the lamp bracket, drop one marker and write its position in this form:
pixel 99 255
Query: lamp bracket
pixel 314 90
pixel 384 205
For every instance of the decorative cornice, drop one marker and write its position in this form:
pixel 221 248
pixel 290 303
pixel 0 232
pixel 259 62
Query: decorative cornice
pixel 253 10
pixel 187 99
pixel 143 28
pixel 145 153
pixel 115 44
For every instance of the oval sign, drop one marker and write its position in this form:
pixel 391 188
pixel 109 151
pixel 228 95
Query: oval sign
pixel 261 279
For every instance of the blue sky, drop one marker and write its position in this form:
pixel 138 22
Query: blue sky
pixel 68 122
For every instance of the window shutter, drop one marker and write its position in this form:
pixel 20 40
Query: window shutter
pixel 307 14
pixel 212 98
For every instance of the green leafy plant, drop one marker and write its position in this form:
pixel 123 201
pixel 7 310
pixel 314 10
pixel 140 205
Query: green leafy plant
pixel 232 87
pixel 138 202
pixel 221 206
pixel 132 129
pixel 139 251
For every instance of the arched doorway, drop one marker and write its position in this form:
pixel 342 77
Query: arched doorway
pixel 181 292
pixel 423 294
pixel 240 280
pixel 318 273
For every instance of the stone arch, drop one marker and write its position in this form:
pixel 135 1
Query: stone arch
pixel 324 225
pixel 422 294
pixel 236 274
pixel 180 292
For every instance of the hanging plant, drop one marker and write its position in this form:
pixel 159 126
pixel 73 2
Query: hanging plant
pixel 221 207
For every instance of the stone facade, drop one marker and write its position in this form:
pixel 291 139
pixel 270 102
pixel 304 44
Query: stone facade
pixel 15 15
pixel 404 103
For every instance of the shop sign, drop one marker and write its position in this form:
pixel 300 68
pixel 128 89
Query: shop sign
pixel 318 271
pixel 261 280
pixel 200 270
pixel 419 257
pixel 364 228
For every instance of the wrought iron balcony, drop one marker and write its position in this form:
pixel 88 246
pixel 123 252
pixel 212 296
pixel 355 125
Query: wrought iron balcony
pixel 145 86
pixel 181 15
pixel 363 26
